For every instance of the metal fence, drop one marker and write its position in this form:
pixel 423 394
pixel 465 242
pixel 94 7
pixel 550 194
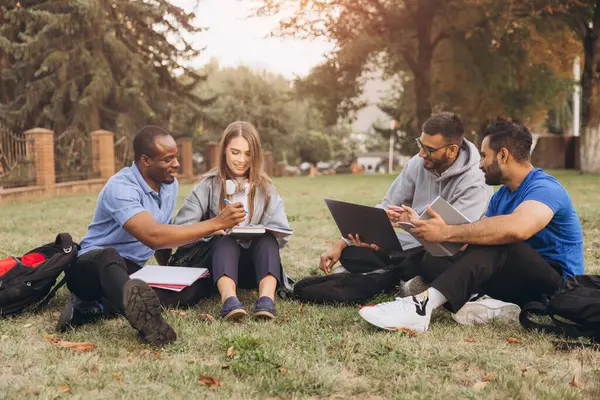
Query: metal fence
pixel 123 152
pixel 74 157
pixel 17 160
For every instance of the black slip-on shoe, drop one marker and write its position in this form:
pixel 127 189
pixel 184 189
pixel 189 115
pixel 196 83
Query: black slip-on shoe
pixel 78 312
pixel 265 308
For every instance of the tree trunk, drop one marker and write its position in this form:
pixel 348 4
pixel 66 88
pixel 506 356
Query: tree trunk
pixel 422 73
pixel 590 149
pixel 590 82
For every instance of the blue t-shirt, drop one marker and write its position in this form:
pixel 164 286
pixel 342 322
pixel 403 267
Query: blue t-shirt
pixel 561 241
pixel 125 195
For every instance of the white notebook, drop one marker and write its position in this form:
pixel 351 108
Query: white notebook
pixel 247 232
pixel 171 278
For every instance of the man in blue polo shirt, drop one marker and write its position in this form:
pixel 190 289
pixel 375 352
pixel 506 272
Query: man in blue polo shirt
pixel 530 240
pixel 132 220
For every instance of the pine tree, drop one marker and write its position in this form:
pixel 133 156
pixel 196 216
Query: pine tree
pixel 89 64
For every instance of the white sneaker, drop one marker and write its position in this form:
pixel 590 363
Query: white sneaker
pixel 484 310
pixel 404 312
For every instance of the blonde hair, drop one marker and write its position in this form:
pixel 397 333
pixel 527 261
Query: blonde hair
pixel 257 177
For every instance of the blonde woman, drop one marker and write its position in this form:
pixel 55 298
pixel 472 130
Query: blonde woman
pixel 239 177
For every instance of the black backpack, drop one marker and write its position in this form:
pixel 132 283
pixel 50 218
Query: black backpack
pixel 574 310
pixel 29 282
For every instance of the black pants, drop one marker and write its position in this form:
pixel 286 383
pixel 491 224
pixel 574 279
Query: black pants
pixel 246 267
pixel 361 260
pixel 515 273
pixel 100 275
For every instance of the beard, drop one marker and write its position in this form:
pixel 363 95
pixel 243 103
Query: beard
pixel 436 164
pixel 493 174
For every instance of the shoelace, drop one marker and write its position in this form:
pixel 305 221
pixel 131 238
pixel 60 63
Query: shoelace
pixel 91 309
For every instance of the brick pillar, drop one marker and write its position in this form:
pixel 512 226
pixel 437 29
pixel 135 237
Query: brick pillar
pixel 280 170
pixel 211 155
pixel 268 163
pixel 184 147
pixel 103 153
pixel 41 150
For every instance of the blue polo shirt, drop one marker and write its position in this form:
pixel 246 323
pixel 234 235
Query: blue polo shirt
pixel 125 195
pixel 561 241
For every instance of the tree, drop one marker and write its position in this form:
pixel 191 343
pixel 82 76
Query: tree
pixel 94 64
pixel 582 17
pixel 266 100
pixel 457 55
pixel 400 35
pixel 314 147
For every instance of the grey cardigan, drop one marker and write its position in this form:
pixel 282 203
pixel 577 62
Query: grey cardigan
pixel 203 204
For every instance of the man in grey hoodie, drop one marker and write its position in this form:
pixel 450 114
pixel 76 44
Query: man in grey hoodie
pixel 447 165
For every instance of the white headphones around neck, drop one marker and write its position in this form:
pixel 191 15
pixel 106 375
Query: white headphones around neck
pixel 232 187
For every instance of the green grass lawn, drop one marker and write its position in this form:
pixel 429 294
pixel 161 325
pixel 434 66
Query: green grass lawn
pixel 308 352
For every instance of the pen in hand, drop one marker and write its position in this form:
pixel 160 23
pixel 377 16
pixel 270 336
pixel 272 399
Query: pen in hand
pixel 230 202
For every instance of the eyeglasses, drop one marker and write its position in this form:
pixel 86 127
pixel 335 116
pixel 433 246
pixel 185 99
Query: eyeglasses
pixel 429 150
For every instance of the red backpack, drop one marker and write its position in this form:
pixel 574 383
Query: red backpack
pixel 29 282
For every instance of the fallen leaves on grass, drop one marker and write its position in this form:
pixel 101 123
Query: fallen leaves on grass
pixel 573 382
pixel 408 332
pixel 488 378
pixel 181 313
pixel 150 353
pixel 230 352
pixel 206 317
pixel 283 371
pixel 469 340
pixel 523 371
pixel 81 347
pixel 210 381
pixel 64 389
pixel 513 340
pixel 118 377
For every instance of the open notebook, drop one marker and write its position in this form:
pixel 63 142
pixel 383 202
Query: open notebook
pixel 247 232
pixel 170 278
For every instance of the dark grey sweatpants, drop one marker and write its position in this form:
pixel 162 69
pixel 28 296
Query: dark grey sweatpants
pixel 246 267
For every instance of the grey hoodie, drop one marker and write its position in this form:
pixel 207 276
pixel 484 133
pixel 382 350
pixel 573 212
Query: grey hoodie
pixel 462 185
pixel 203 204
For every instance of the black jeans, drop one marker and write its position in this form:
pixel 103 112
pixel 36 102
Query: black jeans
pixel 100 275
pixel 515 273
pixel 361 260
pixel 246 267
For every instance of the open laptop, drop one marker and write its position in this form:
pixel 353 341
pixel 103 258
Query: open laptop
pixel 370 223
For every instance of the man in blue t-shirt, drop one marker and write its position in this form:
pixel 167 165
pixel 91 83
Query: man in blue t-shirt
pixel 530 240
pixel 132 221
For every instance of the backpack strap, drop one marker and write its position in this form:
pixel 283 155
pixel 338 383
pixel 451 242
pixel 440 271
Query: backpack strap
pixel 571 331
pixel 44 302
